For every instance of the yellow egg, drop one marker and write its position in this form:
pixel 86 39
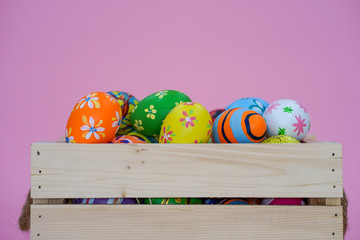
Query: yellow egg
pixel 186 123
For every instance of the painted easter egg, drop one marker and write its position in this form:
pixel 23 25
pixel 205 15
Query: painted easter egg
pixel 149 113
pixel 256 104
pixel 195 201
pixel 166 201
pixel 94 119
pixel 283 201
pixel 280 139
pixel 233 201
pixel 215 113
pixel 105 201
pixel 143 137
pixel 186 123
pixel 254 201
pixel 287 117
pixel 239 125
pixel 127 139
pixel 210 201
pixel 127 103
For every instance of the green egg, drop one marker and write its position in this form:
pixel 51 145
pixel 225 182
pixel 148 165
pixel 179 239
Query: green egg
pixel 148 115
pixel 195 201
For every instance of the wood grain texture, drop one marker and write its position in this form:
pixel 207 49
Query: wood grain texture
pixel 58 222
pixel 325 201
pixel 333 201
pixel 60 170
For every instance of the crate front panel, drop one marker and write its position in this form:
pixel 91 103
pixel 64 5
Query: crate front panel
pixel 60 170
pixel 109 222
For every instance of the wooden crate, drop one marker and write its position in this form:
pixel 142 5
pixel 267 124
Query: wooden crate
pixel 309 170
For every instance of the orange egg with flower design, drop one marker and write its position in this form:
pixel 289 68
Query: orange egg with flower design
pixel 94 119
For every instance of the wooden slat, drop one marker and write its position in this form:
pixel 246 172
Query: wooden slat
pixel 109 222
pixel 42 201
pixel 333 201
pixel 317 201
pixel 60 170
pixel 325 201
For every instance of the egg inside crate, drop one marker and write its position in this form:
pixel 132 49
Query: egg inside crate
pixel 256 104
pixel 148 115
pixel 127 139
pixel 287 117
pixel 186 123
pixel 127 103
pixel 239 125
pixel 95 119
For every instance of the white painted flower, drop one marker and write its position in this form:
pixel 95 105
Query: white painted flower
pixel 117 121
pixel 91 100
pixel 68 138
pixel 90 129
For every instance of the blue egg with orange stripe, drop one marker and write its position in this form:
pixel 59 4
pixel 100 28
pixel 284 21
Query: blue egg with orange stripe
pixel 239 125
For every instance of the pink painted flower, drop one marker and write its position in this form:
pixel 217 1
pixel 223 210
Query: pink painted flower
pixel 299 126
pixel 167 135
pixel 188 120
pixel 209 125
pixel 272 107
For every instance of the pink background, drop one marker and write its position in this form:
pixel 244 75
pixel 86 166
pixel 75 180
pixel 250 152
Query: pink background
pixel 54 52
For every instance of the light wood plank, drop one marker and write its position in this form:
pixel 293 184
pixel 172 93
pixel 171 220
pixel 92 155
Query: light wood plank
pixel 185 222
pixel 317 201
pixel 333 201
pixel 40 201
pixel 60 170
pixel 325 201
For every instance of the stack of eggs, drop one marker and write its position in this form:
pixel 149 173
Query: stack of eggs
pixel 250 120
pixel 166 116
pixel 170 116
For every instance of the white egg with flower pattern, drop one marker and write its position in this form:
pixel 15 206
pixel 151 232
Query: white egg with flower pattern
pixel 287 117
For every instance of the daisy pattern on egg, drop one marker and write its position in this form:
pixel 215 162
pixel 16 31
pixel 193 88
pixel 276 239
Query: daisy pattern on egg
pixel 90 128
pixel 94 119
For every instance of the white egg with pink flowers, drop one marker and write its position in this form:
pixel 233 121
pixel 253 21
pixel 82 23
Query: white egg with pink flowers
pixel 287 117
